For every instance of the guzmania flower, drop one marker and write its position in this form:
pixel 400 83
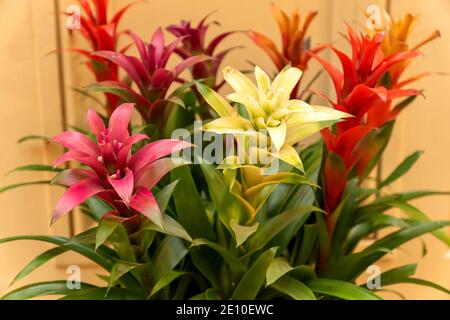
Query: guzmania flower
pixel 112 173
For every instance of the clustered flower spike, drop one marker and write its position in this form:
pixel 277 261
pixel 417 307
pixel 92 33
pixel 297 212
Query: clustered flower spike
pixel 101 34
pixel 194 43
pixel 295 44
pixel 270 109
pixel 113 174
pixel 362 91
pixel 149 72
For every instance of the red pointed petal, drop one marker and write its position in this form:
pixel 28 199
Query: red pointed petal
pixel 74 140
pixel 75 195
pixel 154 151
pixel 189 62
pixel 336 179
pixel 144 202
pixel 119 121
pixel 335 74
pixel 70 177
pixel 124 186
pixel 362 98
pixel 150 175
pixel 96 123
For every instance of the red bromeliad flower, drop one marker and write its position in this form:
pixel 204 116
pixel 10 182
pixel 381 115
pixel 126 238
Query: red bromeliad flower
pixel 194 44
pixel 101 34
pixel 114 175
pixel 295 45
pixel 358 140
pixel 149 73
pixel 357 86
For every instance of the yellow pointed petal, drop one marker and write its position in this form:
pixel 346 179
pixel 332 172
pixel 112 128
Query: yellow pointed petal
pixel 278 135
pixel 262 79
pixel 219 104
pixel 287 79
pixel 299 105
pixel 250 104
pixel 289 155
pixel 239 82
pixel 234 124
pixel 297 133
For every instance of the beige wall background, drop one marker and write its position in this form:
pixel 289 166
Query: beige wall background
pixel 32 104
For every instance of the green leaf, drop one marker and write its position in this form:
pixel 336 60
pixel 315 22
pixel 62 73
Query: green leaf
pixel 165 281
pixel 98 257
pixel 341 289
pixel 98 208
pixel 403 275
pixel 36 167
pixel 190 211
pixel 277 269
pixel 120 269
pixel 293 288
pixel 250 285
pixel 236 266
pixel 171 227
pixel 274 226
pixel 104 294
pixel 169 254
pixel 397 274
pixel 39 261
pixel 227 206
pixel 23 184
pixel 402 169
pixel 351 266
pixel 415 214
pixel 241 233
pixel 114 231
pixel 163 196
pixel 219 104
pixel 42 289
pixel 34 137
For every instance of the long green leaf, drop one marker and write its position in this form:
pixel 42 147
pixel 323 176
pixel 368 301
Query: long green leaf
pixel 190 211
pixel 341 289
pixel 23 184
pixel 250 285
pixel 293 288
pixel 36 167
pixel 42 289
pixel 39 261
pixel 165 281
pixel 402 169
pixel 274 226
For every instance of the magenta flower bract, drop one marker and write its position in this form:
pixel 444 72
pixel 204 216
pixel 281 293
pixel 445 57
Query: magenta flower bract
pixel 194 43
pixel 114 175
pixel 149 73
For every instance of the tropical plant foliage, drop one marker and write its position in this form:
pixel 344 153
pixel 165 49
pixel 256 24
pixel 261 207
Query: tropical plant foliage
pixel 183 228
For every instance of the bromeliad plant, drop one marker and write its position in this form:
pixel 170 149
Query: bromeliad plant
pixel 296 45
pixel 273 219
pixel 101 34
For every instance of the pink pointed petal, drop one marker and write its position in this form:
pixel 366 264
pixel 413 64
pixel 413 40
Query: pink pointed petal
pixel 154 151
pixel 150 175
pixel 75 195
pixel 96 123
pixel 144 202
pixel 122 61
pixel 83 158
pixel 70 177
pixel 118 124
pixel 77 141
pixel 124 186
pixel 189 62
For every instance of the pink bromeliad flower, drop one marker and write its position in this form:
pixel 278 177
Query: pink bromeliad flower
pixel 114 174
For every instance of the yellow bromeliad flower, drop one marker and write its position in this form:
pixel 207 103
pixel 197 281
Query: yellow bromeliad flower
pixel 397 39
pixel 271 114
